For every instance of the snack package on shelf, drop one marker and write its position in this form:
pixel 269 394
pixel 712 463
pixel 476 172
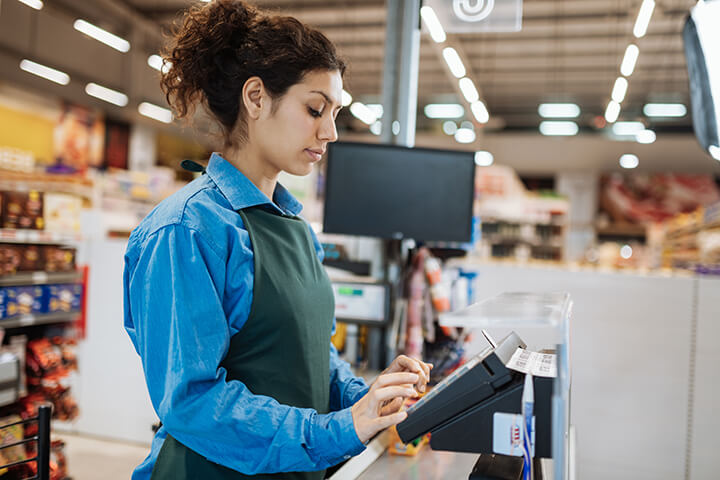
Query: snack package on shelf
pixel 3 303
pixel 23 300
pixel 62 298
pixel 62 213
pixel 11 435
pixel 23 210
pixel 58 259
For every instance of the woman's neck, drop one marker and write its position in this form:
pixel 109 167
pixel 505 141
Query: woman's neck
pixel 250 163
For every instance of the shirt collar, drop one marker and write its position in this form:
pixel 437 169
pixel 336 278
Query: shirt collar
pixel 242 193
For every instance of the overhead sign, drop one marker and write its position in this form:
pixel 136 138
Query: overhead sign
pixel 478 15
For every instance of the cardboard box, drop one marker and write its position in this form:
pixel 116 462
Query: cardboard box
pixel 23 210
pixel 62 298
pixel 62 212
pixel 20 258
pixel 23 300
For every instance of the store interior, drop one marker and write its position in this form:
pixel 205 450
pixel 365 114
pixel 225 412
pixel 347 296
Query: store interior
pixel 572 157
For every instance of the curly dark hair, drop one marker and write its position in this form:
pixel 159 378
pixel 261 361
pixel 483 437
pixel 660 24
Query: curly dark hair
pixel 221 44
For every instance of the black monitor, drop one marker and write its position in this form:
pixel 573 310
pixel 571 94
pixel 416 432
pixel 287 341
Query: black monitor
pixel 703 62
pixel 398 192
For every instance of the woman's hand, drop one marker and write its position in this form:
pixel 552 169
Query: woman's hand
pixel 403 363
pixel 374 411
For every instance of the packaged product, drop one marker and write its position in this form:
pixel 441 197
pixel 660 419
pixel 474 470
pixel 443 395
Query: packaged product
pixel 62 298
pixel 23 210
pixel 23 300
pixel 62 212
pixel 10 257
pixel 58 259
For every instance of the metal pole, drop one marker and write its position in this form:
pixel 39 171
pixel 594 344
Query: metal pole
pixel 43 454
pixel 400 74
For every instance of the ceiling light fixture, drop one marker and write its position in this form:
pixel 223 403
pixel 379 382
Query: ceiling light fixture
pixel 629 161
pixel 155 112
pixel 612 112
pixel 433 24
pixel 480 111
pixel 36 4
pixel 551 128
pixel 101 35
pixel 47 73
pixel 464 135
pixel 444 110
pixel 157 62
pixel 467 87
pixel 619 90
pixel 376 108
pixel 622 129
pixel 643 18
pixel 363 113
pixel 714 152
pixel 664 110
pixel 106 94
pixel 484 158
pixel 646 137
pixel 450 127
pixel 559 110
pixel 454 62
pixel 346 98
pixel 627 67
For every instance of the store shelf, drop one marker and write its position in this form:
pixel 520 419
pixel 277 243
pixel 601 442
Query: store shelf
pixel 622 230
pixel 8 235
pixel 31 320
pixel 40 278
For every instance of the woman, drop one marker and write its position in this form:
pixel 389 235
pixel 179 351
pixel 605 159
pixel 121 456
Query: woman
pixel 226 300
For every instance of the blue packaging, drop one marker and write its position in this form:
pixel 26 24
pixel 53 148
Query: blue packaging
pixel 23 301
pixel 62 298
pixel 2 303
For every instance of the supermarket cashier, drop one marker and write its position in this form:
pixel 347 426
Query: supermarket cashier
pixel 226 300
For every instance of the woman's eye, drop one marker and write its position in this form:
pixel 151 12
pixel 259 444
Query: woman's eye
pixel 314 113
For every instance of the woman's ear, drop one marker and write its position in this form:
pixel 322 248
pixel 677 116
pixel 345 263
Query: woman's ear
pixel 254 97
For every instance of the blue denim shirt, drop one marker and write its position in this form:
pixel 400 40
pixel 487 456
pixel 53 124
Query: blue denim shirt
pixel 188 287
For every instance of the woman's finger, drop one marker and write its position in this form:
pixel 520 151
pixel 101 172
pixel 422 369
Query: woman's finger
pixel 388 393
pixel 399 378
pixel 392 407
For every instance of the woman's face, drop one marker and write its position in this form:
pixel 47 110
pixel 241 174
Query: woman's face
pixel 296 135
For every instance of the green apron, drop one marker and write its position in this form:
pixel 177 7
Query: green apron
pixel 283 349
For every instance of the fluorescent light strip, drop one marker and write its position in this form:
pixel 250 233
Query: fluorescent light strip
pixel 36 4
pixel 627 67
pixel 450 127
pixel 622 129
pixel 612 112
pixel 714 152
pixel 619 90
pixel 444 110
pixel 157 62
pixel 376 128
pixel 433 24
pixel 101 35
pixel 376 108
pixel 47 73
pixel 346 98
pixel 629 161
pixel 363 113
pixel 484 159
pixel 558 128
pixel 480 112
pixel 454 62
pixel 106 94
pixel 467 87
pixel 559 110
pixel 155 112
pixel 464 135
pixel 664 110
pixel 643 18
pixel 646 137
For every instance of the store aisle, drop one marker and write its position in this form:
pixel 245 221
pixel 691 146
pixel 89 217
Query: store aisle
pixel 91 458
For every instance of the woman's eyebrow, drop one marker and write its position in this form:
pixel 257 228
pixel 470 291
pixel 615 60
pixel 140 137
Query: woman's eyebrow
pixel 327 97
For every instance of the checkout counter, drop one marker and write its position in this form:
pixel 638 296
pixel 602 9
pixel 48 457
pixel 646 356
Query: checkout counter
pixel 477 408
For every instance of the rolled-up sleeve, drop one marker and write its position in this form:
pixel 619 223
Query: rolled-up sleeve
pixel 175 317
